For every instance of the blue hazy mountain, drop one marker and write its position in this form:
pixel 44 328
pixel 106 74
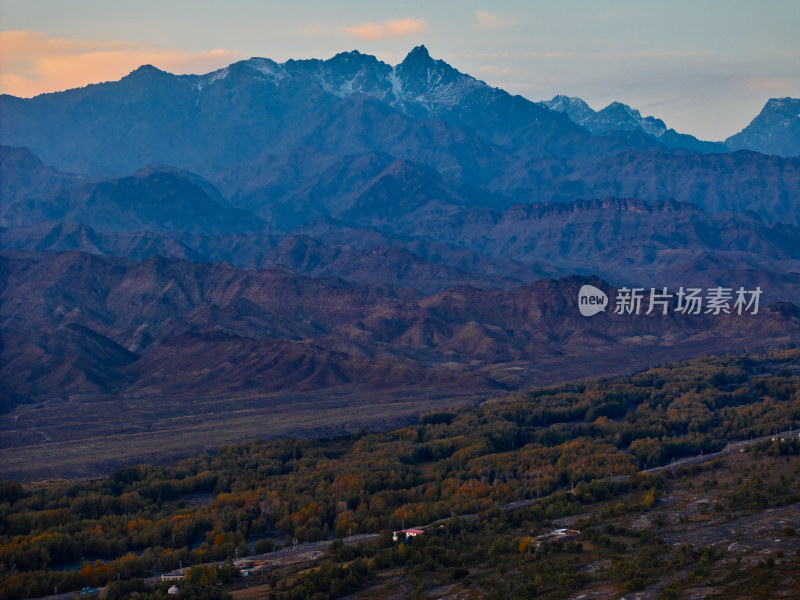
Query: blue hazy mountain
pixel 621 117
pixel 156 199
pixel 776 129
pixel 422 111
pixel 350 103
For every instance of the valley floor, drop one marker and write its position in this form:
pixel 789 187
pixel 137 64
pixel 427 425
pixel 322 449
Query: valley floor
pixel 87 439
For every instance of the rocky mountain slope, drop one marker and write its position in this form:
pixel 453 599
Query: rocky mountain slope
pixel 776 129
pixel 621 117
pixel 77 324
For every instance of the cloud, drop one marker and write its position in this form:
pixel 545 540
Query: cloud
pixel 487 20
pixel 768 84
pixel 494 70
pixel 31 62
pixel 387 29
pixel 314 30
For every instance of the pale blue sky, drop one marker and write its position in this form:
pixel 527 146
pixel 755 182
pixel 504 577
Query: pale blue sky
pixel 705 67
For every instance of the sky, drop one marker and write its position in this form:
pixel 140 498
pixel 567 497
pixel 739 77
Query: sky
pixel 706 67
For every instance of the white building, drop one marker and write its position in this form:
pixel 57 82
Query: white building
pixel 407 533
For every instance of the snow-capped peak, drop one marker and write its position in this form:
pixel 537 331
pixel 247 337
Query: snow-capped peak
pixel 615 116
pixel 267 67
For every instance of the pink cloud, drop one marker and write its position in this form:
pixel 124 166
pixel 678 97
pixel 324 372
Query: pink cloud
pixel 32 63
pixel 487 20
pixel 768 83
pixel 388 29
pixel 314 30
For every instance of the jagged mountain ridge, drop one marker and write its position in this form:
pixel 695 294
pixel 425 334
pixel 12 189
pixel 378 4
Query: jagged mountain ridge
pixel 421 111
pixel 776 129
pixel 161 113
pixel 621 117
pixel 205 123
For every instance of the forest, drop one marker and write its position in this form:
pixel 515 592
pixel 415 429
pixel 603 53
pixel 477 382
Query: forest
pixel 573 446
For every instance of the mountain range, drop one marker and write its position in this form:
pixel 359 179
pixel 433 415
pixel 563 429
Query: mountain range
pixel 621 117
pixel 256 106
pixel 176 328
pixel 346 228
pixel 373 218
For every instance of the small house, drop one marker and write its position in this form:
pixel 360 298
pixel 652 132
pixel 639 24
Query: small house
pixel 407 533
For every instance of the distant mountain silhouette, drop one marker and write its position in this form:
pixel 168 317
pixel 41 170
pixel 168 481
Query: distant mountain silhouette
pixel 776 129
pixel 621 117
pixel 153 199
pixel 238 125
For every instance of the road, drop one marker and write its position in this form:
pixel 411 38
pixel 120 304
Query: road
pixel 276 554
pixel 731 448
